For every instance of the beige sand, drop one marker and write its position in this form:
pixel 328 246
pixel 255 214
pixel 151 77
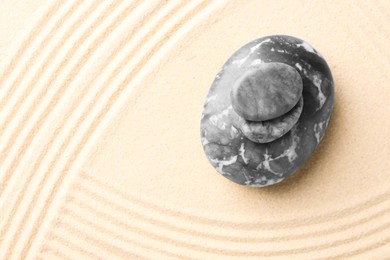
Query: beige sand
pixel 99 136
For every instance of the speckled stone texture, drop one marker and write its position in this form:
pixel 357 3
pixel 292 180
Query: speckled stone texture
pixel 261 164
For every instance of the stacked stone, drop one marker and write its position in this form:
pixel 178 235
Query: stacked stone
pixel 267 110
pixel 268 98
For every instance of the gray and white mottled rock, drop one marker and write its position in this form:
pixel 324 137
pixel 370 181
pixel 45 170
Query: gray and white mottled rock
pixel 266 91
pixel 268 131
pixel 246 162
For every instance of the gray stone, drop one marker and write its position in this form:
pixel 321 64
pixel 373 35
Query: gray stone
pixel 267 91
pixel 268 131
pixel 260 164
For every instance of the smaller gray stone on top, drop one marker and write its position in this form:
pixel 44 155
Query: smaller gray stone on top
pixel 270 130
pixel 266 92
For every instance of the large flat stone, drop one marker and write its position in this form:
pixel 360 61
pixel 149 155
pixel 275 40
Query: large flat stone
pixel 255 164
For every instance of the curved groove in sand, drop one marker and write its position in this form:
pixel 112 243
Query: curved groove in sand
pixel 160 42
pixel 26 44
pixel 71 246
pixel 70 131
pixel 69 32
pixel 70 78
pixel 114 96
pixel 74 71
pixel 42 155
pixel 364 249
pixel 38 100
pixel 28 64
pixel 82 221
pixel 379 199
pixel 240 237
pixel 58 24
pixel 98 244
pixel 16 146
pixel 112 217
pixel 267 225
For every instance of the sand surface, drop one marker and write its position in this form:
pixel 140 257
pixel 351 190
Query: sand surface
pixel 100 105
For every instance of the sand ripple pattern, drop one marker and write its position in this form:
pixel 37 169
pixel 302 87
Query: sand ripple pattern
pixel 52 113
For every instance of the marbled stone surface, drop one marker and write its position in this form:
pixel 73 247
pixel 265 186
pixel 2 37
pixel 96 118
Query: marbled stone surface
pixel 260 164
pixel 268 131
pixel 267 91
